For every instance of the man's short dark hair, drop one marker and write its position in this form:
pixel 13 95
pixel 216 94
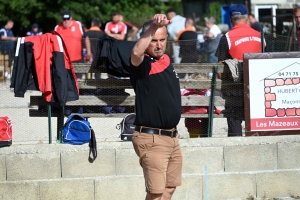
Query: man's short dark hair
pixel 96 21
pixel 116 13
pixel 296 9
pixel 171 10
pixel 252 15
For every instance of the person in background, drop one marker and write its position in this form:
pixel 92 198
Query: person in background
pixel 187 40
pixel 178 24
pixel 94 33
pixel 34 30
pixel 8 45
pixel 296 13
pixel 253 23
pixel 73 33
pixel 130 28
pixel 230 48
pixel 213 37
pixel 158 111
pixel 116 28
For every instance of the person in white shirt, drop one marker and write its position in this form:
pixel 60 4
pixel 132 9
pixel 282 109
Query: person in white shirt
pixel 213 37
pixel 178 24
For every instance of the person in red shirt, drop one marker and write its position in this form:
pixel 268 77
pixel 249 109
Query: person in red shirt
pixel 72 33
pixel 116 28
pixel 239 40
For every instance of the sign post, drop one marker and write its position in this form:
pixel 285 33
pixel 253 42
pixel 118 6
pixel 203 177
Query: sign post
pixel 272 93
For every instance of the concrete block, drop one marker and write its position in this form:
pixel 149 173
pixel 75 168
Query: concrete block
pixel 190 189
pixel 33 166
pixel 288 155
pixel 229 186
pixel 127 162
pixel 76 164
pixel 133 187
pixel 17 190
pixel 278 184
pixel 67 189
pixel 250 158
pixel 2 168
pixel 196 158
pixel 120 187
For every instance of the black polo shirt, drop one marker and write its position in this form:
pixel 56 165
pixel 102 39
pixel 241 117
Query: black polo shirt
pixel 158 99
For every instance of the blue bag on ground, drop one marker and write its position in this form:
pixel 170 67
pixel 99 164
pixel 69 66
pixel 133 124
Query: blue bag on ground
pixel 77 130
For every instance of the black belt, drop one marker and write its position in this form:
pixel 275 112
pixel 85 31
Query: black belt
pixel 169 133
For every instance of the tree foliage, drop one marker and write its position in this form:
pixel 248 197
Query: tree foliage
pixel 47 12
pixel 215 11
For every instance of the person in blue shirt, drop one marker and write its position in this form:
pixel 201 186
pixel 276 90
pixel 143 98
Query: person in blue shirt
pixel 7 45
pixel 34 30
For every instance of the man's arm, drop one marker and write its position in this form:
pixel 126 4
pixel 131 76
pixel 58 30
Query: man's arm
pixel 137 54
pixel 88 48
pixel 5 37
pixel 133 33
pixel 209 35
pixel 117 36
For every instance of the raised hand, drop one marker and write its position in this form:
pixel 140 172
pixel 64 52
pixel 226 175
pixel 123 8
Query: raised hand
pixel 161 20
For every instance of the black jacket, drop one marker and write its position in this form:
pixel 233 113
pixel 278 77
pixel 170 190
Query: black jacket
pixel 114 55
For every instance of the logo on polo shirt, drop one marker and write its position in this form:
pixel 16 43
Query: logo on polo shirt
pixel 175 73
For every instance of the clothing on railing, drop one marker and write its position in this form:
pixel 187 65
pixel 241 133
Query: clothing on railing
pixel 42 63
pixel 114 56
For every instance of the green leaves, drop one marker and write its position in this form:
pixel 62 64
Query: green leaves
pixel 47 12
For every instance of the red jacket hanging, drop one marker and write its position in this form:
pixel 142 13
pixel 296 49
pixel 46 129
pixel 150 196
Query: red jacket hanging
pixel 52 74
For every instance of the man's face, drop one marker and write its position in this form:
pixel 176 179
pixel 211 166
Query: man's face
pixel 170 15
pixel 158 44
pixel 10 25
pixel 251 19
pixel 116 18
pixel 297 17
pixel 66 22
pixel 35 29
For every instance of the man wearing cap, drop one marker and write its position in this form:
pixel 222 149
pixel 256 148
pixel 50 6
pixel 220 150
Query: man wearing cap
pixel 213 37
pixel 34 30
pixel 72 33
pixel 239 40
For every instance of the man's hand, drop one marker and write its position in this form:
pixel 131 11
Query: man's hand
pixel 88 58
pixel 161 20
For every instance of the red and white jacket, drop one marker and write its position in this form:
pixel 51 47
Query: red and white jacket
pixel 42 62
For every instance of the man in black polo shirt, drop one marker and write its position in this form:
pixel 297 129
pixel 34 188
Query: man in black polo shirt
pixel 158 110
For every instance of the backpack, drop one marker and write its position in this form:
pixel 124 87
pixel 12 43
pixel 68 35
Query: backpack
pixel 77 130
pixel 5 132
pixel 127 127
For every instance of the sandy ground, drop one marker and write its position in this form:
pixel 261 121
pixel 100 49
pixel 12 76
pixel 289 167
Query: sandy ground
pixel 35 129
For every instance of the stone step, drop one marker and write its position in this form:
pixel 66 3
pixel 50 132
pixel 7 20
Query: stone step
pixel 212 186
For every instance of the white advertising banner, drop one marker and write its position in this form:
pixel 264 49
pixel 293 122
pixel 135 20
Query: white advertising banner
pixel 274 89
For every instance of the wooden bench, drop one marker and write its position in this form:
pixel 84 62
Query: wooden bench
pixel 87 101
